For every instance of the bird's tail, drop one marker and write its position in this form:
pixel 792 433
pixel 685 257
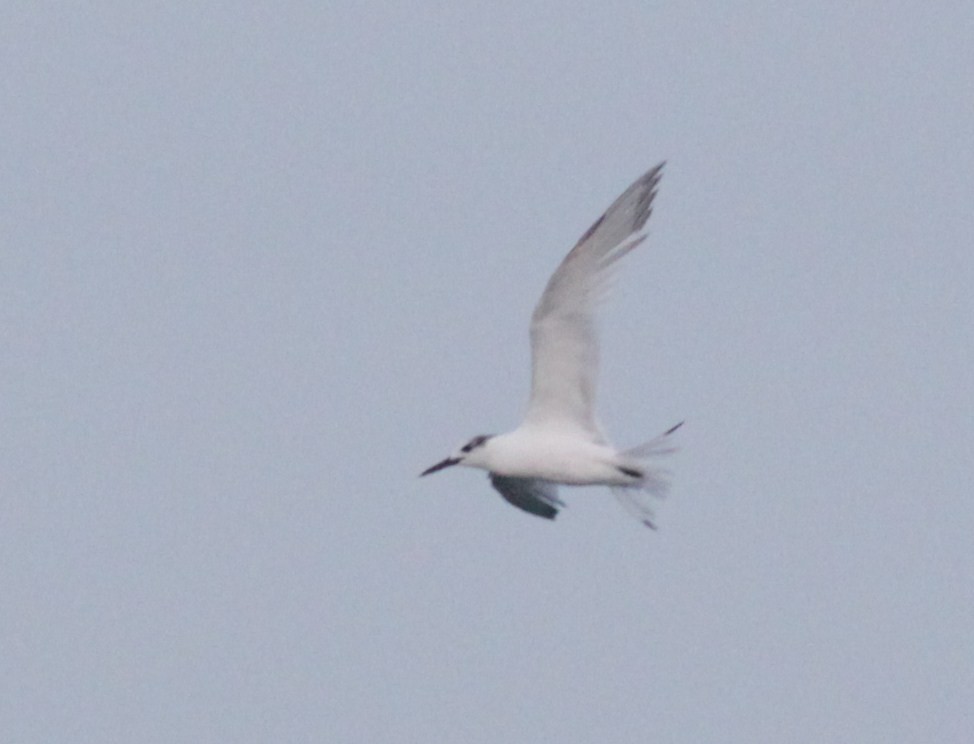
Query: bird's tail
pixel 653 483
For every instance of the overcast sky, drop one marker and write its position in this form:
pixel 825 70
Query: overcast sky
pixel 262 264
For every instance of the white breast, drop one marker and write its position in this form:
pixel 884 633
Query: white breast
pixel 532 453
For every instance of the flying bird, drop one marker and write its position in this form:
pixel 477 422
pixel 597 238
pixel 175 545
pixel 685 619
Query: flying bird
pixel 560 441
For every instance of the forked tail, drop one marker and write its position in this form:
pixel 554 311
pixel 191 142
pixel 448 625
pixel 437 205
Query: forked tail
pixel 653 483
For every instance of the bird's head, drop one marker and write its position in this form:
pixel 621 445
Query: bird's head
pixel 471 454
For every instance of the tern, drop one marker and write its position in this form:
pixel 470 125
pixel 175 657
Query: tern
pixel 560 441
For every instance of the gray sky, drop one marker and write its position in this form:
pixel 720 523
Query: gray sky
pixel 261 265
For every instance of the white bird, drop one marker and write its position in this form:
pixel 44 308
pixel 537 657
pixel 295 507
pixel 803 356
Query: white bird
pixel 560 440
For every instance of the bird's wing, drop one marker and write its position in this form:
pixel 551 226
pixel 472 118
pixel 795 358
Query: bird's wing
pixel 536 497
pixel 564 345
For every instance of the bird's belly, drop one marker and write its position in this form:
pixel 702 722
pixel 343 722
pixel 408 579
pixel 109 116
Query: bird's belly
pixel 578 464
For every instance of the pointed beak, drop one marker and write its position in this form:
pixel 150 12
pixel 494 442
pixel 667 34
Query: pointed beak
pixel 440 465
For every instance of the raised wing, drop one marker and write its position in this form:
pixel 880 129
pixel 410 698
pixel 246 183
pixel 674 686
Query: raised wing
pixel 536 497
pixel 564 344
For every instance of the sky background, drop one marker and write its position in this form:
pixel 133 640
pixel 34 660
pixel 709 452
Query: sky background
pixel 262 264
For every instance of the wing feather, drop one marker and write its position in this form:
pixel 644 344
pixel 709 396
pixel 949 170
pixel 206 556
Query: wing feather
pixel 564 343
pixel 534 496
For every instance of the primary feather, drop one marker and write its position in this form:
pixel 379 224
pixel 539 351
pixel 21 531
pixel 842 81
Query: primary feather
pixel 565 350
pixel 534 496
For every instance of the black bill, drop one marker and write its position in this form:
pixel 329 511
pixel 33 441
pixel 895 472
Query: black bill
pixel 440 465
